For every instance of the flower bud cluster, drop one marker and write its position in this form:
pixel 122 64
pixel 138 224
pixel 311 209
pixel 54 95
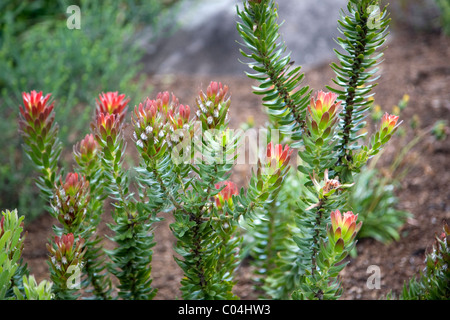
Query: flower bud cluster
pixel 388 126
pixel 65 252
pixel 225 196
pixel 112 103
pixel 213 106
pixel 71 201
pixel 37 115
pixel 276 159
pixel 278 156
pixel 343 229
pixel 323 115
pixel 109 117
pixel 157 123
pixel 86 150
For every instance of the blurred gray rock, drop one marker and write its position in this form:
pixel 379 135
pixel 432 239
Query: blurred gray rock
pixel 206 40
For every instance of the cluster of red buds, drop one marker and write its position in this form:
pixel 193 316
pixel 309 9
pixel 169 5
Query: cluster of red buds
pixel 277 158
pixel 343 229
pixel 112 103
pixel 71 200
pixel 388 125
pixel 213 106
pixel 109 116
pixel 323 114
pixel 37 114
pixel 225 196
pixel 66 253
pixel 161 123
pixel 86 150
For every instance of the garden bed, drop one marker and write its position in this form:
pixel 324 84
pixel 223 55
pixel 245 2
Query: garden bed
pixel 417 65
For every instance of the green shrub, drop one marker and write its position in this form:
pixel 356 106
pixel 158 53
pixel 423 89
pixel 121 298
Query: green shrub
pixel 444 7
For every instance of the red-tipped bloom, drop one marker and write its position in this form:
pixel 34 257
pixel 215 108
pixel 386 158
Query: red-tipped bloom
pixel 323 112
pixel 216 91
pixel 278 155
pixel 324 102
pixel 112 103
pixel 225 195
pixel 37 116
pixel 106 125
pixel 344 226
pixel 65 243
pixel 35 104
pixel 388 123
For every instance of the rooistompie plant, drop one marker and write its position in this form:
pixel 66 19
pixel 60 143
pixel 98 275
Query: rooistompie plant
pixel 185 157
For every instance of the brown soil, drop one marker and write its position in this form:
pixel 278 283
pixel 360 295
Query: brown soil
pixel 418 65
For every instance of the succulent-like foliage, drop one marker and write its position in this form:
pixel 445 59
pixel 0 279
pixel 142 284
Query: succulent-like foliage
pixel 325 127
pixel 131 259
pixel 87 156
pixel 364 29
pixel 280 83
pixel 33 290
pixel 298 236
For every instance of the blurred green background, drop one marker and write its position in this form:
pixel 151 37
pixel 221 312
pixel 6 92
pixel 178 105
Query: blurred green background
pixel 39 52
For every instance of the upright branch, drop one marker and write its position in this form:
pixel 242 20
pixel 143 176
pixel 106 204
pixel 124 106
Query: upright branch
pixel 364 30
pixel 40 134
pixel 131 259
pixel 280 84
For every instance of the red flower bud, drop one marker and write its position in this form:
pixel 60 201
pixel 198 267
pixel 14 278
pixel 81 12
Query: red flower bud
pixel 106 125
pixel 36 113
pixel 324 108
pixel 344 226
pixel 225 195
pixel 278 155
pixel 65 252
pixel 88 146
pixel 388 123
pixel 112 103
